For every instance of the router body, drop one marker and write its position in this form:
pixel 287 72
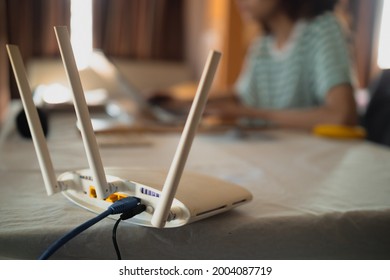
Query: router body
pixel 97 187
pixel 198 197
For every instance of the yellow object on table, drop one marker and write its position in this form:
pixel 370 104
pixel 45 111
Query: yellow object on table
pixel 340 131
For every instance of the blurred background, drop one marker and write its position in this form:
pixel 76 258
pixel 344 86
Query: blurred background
pixel 160 43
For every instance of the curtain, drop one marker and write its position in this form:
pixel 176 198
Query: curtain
pixel 4 91
pixel 30 26
pixel 139 29
pixel 364 20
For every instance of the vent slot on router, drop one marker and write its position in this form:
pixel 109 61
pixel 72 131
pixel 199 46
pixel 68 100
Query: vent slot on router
pixel 239 202
pixel 212 210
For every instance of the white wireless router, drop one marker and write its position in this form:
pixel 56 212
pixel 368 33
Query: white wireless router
pixel 95 188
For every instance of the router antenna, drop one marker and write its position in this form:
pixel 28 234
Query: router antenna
pixel 40 145
pixel 175 171
pixel 80 104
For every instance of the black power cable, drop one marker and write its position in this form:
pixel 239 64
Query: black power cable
pixel 126 215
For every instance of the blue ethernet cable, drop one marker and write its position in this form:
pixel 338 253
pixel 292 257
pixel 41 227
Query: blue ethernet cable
pixel 119 207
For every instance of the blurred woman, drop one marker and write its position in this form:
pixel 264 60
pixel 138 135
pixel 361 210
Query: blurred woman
pixel 298 73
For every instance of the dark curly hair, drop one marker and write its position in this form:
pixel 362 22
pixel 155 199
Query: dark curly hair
pixel 306 9
pixel 303 9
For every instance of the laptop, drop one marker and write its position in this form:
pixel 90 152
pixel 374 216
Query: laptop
pixel 129 106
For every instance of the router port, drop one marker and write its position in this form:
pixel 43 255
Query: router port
pixel 92 192
pixel 111 198
pixel 115 196
pixel 121 196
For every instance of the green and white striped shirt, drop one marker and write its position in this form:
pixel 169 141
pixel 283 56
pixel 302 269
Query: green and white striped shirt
pixel 315 59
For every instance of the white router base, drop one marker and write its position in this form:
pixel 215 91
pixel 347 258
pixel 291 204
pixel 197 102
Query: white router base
pixel 198 197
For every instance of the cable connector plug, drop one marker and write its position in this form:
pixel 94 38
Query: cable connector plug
pixel 124 205
pixel 134 211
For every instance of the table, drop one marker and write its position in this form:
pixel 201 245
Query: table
pixel 314 198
